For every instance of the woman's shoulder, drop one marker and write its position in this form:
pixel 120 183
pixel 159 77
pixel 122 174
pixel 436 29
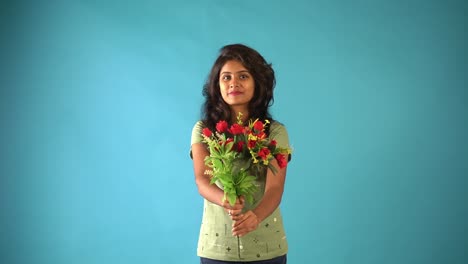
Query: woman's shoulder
pixel 198 125
pixel 277 125
pixel 197 132
pixel 279 132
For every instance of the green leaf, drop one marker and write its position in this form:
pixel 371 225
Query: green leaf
pixel 249 198
pixel 229 145
pixel 232 198
pixel 272 168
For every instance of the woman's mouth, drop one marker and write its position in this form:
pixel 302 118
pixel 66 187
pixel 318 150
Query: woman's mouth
pixel 234 93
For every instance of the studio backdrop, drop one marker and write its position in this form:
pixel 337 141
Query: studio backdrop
pixel 98 101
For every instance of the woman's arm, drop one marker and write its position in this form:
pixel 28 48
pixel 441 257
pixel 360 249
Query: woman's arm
pixel 274 188
pixel 209 191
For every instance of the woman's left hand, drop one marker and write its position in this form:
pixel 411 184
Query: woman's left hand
pixel 245 223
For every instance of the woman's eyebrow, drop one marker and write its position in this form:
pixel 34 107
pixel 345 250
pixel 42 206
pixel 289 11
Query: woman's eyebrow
pixel 226 72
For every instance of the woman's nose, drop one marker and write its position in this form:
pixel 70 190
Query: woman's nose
pixel 233 84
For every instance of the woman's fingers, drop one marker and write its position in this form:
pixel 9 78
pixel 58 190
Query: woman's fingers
pixel 245 224
pixel 236 217
pixel 234 211
pixel 235 214
pixel 238 206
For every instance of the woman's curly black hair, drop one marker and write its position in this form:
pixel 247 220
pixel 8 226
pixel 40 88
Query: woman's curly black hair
pixel 215 109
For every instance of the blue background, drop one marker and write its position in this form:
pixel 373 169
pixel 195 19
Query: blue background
pixel 98 100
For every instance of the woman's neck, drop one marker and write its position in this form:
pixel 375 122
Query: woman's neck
pixel 244 115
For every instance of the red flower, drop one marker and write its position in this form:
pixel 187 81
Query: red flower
pixel 263 153
pixel 207 132
pixel 236 129
pixel 222 126
pixel 262 135
pixel 252 144
pixel 258 125
pixel 273 143
pixel 240 146
pixel 281 160
pixel 228 140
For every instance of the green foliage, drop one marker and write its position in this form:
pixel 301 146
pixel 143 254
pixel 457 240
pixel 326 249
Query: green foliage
pixel 238 152
pixel 232 171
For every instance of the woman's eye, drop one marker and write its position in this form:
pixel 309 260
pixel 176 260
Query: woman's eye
pixel 226 77
pixel 244 76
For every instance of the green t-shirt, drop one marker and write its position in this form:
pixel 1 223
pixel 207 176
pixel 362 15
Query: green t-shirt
pixel 266 242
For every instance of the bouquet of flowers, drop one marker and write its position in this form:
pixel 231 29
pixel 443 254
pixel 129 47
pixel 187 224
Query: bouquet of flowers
pixel 237 150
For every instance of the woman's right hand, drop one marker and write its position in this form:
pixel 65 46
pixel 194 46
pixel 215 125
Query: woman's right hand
pixel 234 211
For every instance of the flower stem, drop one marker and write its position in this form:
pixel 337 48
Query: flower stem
pixel 238 247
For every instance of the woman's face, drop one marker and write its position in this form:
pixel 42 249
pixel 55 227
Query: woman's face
pixel 237 84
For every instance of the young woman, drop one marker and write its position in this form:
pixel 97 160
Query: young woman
pixel 240 81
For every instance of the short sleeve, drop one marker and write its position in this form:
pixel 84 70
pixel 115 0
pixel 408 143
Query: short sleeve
pixel 197 133
pixel 279 133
